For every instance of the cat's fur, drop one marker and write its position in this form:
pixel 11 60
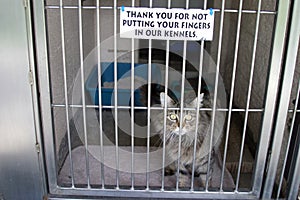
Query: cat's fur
pixel 187 133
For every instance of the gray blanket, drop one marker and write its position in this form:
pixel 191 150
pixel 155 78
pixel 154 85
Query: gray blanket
pixel 140 160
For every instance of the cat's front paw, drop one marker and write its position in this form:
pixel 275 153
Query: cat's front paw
pixel 170 170
pixel 183 180
pixel 202 180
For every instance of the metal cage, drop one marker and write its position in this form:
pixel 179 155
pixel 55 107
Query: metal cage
pixel 254 51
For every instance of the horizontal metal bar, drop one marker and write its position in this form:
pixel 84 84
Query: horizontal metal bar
pixel 159 108
pixel 111 7
pixel 76 7
pixel 291 111
pixel 247 11
pixel 143 193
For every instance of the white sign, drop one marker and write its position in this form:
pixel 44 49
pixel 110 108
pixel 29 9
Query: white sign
pixel 166 24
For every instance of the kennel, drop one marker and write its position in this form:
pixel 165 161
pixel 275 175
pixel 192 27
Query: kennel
pixel 249 74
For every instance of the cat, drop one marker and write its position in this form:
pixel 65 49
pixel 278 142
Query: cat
pixel 187 133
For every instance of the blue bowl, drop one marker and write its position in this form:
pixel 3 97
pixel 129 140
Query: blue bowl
pixel 123 72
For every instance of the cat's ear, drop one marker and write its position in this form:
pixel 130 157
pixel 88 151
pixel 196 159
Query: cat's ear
pixel 170 101
pixel 195 101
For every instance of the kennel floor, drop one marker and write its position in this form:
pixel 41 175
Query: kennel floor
pixel 155 174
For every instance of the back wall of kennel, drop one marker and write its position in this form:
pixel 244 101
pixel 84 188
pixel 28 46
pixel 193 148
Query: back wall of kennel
pixel 254 55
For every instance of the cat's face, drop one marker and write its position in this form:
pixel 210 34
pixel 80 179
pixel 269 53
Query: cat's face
pixel 188 121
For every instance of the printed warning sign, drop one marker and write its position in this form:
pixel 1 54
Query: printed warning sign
pixel 166 24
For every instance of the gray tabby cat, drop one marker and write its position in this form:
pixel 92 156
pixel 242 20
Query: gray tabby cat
pixel 187 133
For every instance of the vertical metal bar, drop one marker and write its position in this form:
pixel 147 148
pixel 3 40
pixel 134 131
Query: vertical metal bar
pixel 249 94
pixel 62 31
pixel 270 103
pixel 44 86
pixel 83 93
pixel 132 115
pixel 198 107
pixel 148 116
pixel 100 94
pixel 148 108
pixel 289 141
pixel 287 84
pixel 165 115
pixel 181 104
pixel 132 109
pixel 197 115
pixel 232 91
pixel 181 111
pixel 215 92
pixel 294 188
pixel 35 96
pixel 165 109
pixel 116 94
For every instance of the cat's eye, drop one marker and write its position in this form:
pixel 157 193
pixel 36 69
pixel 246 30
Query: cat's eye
pixel 172 116
pixel 188 117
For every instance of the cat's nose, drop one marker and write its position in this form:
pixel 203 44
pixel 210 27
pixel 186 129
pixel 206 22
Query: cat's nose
pixel 178 123
pixel 183 123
